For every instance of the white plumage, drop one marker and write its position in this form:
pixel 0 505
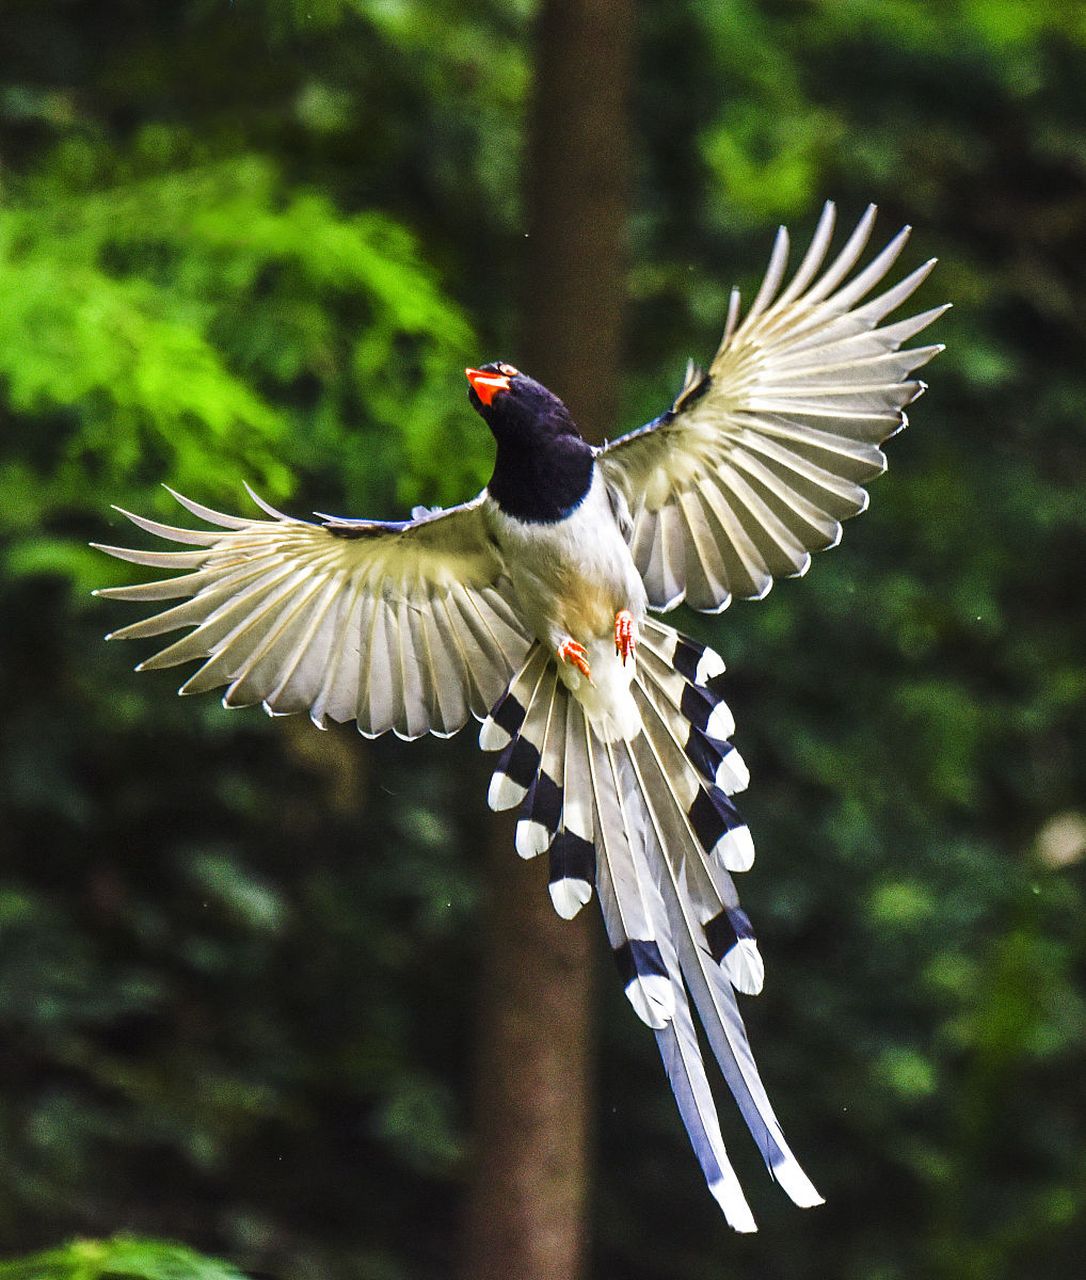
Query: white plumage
pixel 522 607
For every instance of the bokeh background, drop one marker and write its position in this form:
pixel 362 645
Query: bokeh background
pixel 259 241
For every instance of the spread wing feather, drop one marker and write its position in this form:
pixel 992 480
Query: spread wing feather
pixel 760 459
pixel 403 626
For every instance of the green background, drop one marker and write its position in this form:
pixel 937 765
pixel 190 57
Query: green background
pixel 259 242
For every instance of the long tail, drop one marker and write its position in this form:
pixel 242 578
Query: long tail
pixel 650 824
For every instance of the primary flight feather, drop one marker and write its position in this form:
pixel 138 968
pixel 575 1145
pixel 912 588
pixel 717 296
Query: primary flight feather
pixel 528 607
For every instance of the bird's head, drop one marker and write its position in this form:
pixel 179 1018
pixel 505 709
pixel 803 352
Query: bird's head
pixel 516 408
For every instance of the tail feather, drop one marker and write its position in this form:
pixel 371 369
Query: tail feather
pixel 714 820
pixel 694 907
pixel 691 659
pixel 572 873
pixel 529 699
pixel 621 881
pixel 708 889
pixel 541 812
pixel 573 860
pixel 713 756
pixel 677 1039
pixel 678 1045
pixel 697 704
pixel 717 762
pixel 503 723
pixel 715 1000
pixel 542 736
pixel 648 821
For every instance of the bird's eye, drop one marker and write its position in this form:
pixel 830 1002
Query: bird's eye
pixel 508 370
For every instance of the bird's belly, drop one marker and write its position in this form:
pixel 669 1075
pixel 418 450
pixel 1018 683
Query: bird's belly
pixel 571 577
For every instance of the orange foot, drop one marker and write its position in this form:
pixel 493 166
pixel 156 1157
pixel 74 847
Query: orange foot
pixel 625 634
pixel 575 654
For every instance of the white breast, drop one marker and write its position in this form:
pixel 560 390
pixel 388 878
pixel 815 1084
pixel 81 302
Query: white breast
pixel 571 578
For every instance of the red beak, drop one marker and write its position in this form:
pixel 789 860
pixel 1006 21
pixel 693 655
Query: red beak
pixel 486 385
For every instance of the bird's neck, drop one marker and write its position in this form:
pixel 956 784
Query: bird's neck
pixel 544 483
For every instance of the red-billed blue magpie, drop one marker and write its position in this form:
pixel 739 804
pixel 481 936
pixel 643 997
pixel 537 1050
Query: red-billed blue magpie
pixel 531 608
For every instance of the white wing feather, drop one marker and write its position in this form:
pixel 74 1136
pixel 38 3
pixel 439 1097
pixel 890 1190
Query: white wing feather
pixel 759 461
pixel 402 626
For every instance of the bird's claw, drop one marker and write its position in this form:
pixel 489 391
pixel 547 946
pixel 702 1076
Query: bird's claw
pixel 576 655
pixel 625 635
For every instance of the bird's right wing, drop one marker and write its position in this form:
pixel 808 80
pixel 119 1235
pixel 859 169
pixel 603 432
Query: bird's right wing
pixel 403 626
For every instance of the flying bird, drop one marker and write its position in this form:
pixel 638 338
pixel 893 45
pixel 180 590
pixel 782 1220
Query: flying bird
pixel 532 606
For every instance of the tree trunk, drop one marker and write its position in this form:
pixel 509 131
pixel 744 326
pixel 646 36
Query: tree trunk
pixel 526 1211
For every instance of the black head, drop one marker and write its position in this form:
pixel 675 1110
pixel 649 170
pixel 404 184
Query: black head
pixel 544 465
pixel 512 404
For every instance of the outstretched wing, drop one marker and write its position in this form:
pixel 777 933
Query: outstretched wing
pixel 403 626
pixel 760 459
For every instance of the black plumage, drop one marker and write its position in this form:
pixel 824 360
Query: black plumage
pixel 543 467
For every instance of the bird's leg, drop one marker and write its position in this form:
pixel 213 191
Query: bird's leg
pixel 576 655
pixel 625 634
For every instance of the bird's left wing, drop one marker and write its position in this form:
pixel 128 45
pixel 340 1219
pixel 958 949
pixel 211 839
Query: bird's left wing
pixel 403 626
pixel 760 459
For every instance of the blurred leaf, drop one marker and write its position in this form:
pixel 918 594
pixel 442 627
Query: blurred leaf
pixel 119 1259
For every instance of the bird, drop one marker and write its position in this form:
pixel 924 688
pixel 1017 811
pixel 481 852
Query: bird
pixel 536 607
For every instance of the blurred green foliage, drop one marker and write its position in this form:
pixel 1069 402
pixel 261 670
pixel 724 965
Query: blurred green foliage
pixel 259 242
pixel 119 1259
